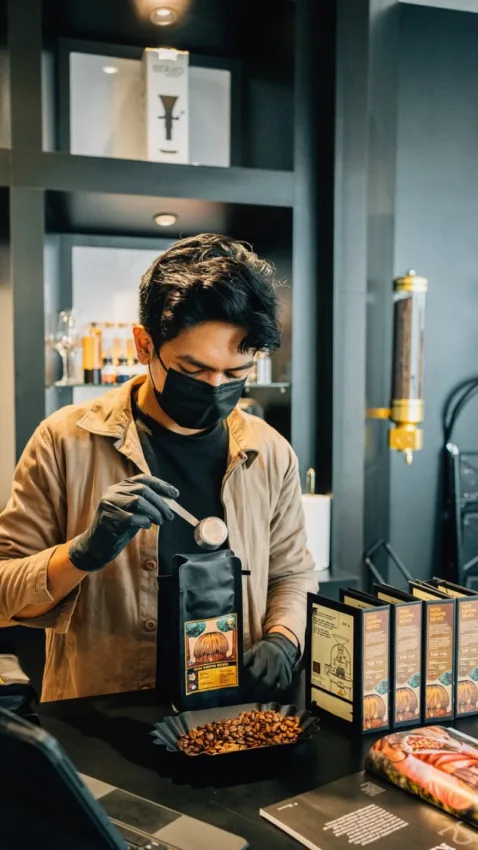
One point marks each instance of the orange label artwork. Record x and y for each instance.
(210, 650)
(467, 665)
(439, 661)
(408, 662)
(375, 669)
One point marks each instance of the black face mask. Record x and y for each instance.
(195, 404)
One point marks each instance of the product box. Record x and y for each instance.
(108, 110)
(438, 652)
(466, 642)
(405, 655)
(348, 660)
(166, 104)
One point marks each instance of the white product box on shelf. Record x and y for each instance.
(166, 104)
(106, 110)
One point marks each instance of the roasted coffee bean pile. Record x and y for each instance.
(252, 729)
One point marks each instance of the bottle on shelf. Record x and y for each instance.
(131, 353)
(123, 371)
(130, 348)
(120, 355)
(91, 344)
(108, 372)
(116, 346)
(252, 376)
(264, 368)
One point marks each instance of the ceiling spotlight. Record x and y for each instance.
(165, 219)
(110, 69)
(163, 16)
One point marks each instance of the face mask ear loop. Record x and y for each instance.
(151, 376)
(149, 368)
(160, 360)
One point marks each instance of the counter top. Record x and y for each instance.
(108, 738)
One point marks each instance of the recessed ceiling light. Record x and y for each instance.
(110, 69)
(165, 219)
(163, 16)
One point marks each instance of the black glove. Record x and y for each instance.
(124, 508)
(269, 666)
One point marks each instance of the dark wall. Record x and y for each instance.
(364, 225)
(436, 234)
(5, 137)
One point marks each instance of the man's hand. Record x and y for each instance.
(124, 508)
(269, 666)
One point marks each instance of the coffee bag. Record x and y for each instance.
(205, 602)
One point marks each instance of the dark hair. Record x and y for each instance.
(211, 278)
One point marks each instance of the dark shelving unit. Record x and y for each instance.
(277, 194)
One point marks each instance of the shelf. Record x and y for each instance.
(132, 215)
(68, 173)
(274, 386)
(83, 386)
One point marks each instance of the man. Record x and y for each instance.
(80, 545)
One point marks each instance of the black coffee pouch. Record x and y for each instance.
(205, 622)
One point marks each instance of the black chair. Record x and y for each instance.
(460, 494)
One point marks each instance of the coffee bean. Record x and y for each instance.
(252, 729)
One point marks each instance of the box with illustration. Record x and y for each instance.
(348, 663)
(438, 652)
(466, 643)
(405, 655)
(166, 101)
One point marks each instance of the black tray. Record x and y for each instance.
(170, 729)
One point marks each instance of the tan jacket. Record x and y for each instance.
(102, 637)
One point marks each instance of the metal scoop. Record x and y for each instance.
(209, 533)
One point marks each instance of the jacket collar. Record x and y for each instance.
(111, 415)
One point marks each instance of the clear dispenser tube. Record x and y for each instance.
(408, 357)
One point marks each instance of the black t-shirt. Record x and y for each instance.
(196, 465)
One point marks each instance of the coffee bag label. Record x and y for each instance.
(210, 651)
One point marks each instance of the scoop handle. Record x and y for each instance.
(180, 511)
